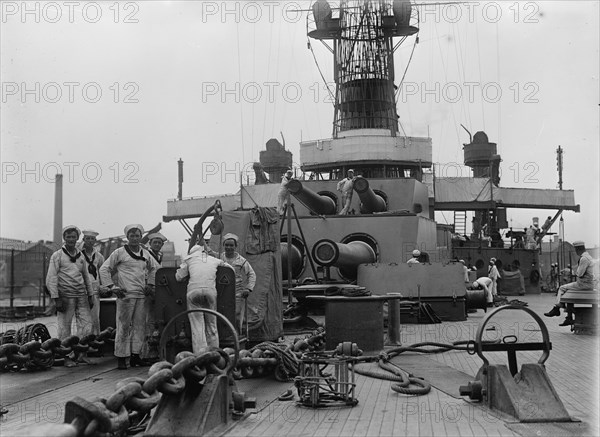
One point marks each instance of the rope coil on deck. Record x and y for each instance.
(403, 379)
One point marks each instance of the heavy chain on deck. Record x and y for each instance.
(32, 348)
(135, 397)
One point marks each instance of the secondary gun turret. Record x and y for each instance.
(317, 203)
(371, 202)
(345, 256)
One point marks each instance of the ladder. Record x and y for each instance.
(460, 222)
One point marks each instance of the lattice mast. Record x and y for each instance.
(363, 52)
(364, 70)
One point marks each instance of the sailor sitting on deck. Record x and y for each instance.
(415, 257)
(586, 280)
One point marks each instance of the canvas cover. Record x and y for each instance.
(512, 283)
(265, 303)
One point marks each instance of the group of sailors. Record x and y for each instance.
(78, 276)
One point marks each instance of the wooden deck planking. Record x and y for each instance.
(572, 367)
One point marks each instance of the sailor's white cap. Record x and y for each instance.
(71, 228)
(157, 235)
(230, 236)
(128, 228)
(416, 252)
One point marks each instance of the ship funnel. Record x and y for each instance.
(371, 202)
(58, 208)
(317, 203)
(180, 179)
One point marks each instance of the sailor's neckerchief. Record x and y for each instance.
(90, 262)
(157, 256)
(139, 257)
(72, 258)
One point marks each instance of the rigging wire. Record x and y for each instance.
(406, 69)
(446, 78)
(498, 73)
(276, 76)
(461, 71)
(268, 80)
(237, 27)
(480, 74)
(253, 77)
(321, 73)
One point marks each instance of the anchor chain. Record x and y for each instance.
(283, 360)
(135, 397)
(25, 350)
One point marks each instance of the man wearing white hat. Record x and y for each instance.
(70, 287)
(494, 275)
(136, 270)
(201, 294)
(415, 257)
(586, 280)
(245, 277)
(93, 261)
(156, 241)
(465, 270)
(346, 187)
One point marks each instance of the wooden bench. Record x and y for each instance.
(585, 310)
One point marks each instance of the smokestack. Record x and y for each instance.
(58, 196)
(180, 179)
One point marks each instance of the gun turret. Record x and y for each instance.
(317, 203)
(371, 202)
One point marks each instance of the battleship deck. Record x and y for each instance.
(33, 399)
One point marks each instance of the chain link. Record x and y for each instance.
(34, 354)
(135, 397)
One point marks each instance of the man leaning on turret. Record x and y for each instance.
(346, 186)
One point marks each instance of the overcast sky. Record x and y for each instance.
(113, 94)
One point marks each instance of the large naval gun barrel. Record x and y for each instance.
(371, 202)
(343, 255)
(317, 203)
(296, 260)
